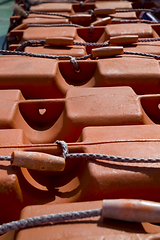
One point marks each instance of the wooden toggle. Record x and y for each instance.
(59, 41)
(124, 39)
(102, 22)
(107, 51)
(38, 161)
(104, 11)
(131, 210)
(78, 17)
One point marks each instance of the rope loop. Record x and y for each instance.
(75, 64)
(81, 4)
(90, 11)
(95, 156)
(64, 147)
(91, 30)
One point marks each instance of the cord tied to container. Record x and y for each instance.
(95, 156)
(130, 210)
(46, 162)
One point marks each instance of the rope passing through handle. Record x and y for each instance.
(130, 210)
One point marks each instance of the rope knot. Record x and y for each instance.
(64, 147)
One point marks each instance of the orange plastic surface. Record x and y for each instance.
(52, 7)
(48, 78)
(93, 228)
(32, 33)
(75, 51)
(113, 4)
(117, 5)
(35, 77)
(41, 19)
(110, 105)
(140, 29)
(105, 106)
(45, 19)
(86, 180)
(120, 180)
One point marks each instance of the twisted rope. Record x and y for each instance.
(7, 52)
(64, 147)
(143, 54)
(75, 64)
(6, 158)
(134, 21)
(84, 57)
(94, 156)
(48, 219)
(91, 29)
(30, 43)
(134, 10)
(48, 13)
(72, 59)
(90, 44)
(42, 42)
(53, 25)
(148, 39)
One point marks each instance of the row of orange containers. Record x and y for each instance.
(109, 105)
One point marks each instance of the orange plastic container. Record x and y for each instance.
(117, 71)
(141, 29)
(117, 5)
(10, 190)
(48, 78)
(52, 7)
(68, 7)
(120, 180)
(41, 19)
(82, 179)
(105, 106)
(38, 33)
(108, 5)
(113, 4)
